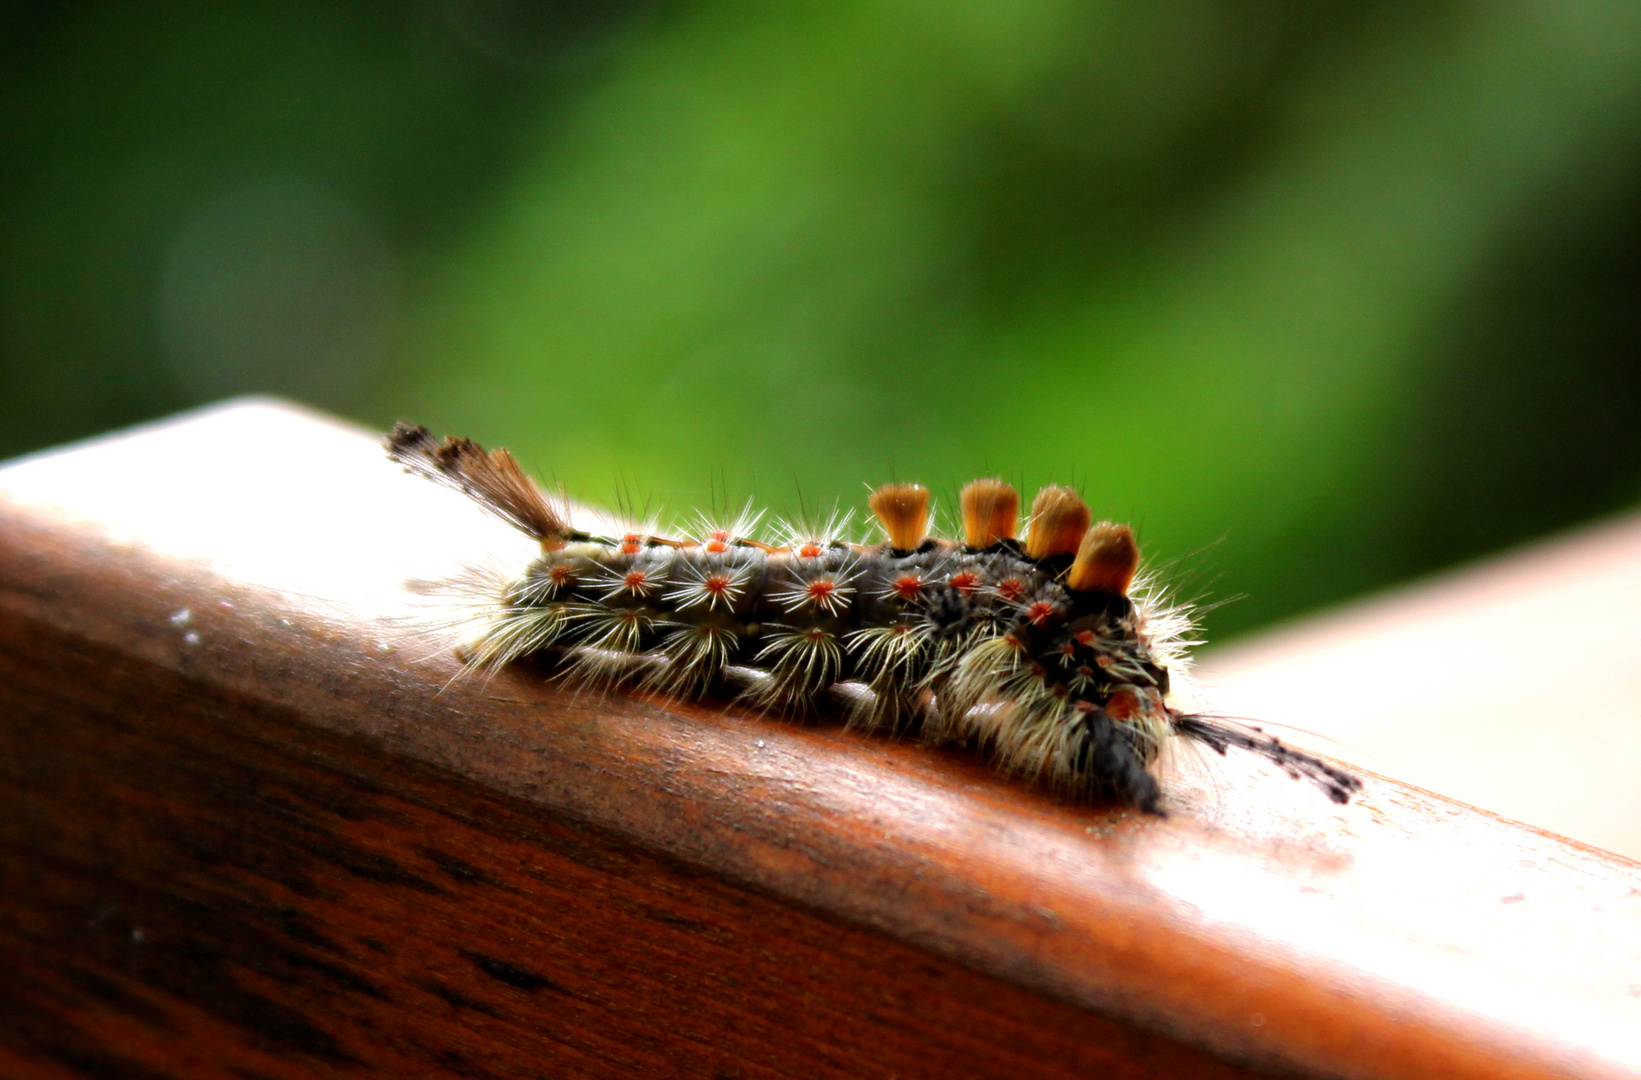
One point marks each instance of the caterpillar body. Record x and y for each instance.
(1039, 652)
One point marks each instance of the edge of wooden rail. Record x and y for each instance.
(262, 549)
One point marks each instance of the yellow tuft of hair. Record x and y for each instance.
(904, 511)
(1106, 560)
(991, 511)
(1058, 520)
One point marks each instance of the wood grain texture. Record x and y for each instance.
(202, 884)
(250, 830)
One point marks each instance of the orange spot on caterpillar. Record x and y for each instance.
(1123, 705)
(718, 584)
(1011, 588)
(717, 547)
(720, 534)
(631, 547)
(811, 551)
(907, 587)
(1086, 638)
(561, 574)
(1041, 612)
(821, 589)
(1105, 660)
(635, 580)
(965, 582)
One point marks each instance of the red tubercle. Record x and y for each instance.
(907, 587)
(811, 551)
(635, 581)
(717, 584)
(1011, 589)
(1041, 612)
(965, 582)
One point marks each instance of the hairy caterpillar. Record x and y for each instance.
(1040, 652)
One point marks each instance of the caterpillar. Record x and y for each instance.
(1046, 653)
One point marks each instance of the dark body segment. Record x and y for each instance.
(938, 641)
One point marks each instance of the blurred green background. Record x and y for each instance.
(1321, 296)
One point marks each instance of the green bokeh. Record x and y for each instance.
(1320, 299)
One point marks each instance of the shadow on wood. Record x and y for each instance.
(253, 827)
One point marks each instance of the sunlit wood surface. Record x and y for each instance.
(1514, 685)
(252, 827)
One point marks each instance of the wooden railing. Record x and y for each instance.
(252, 826)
